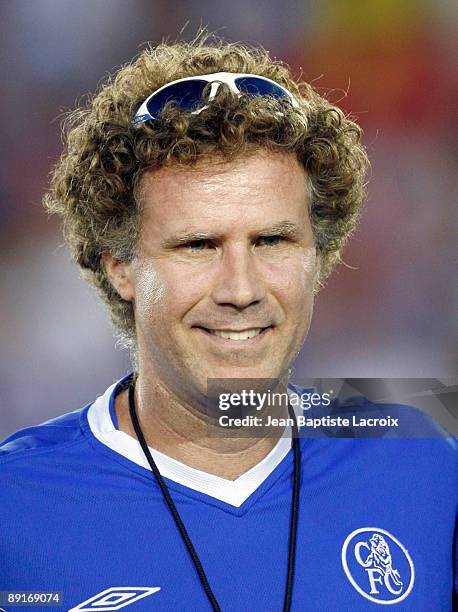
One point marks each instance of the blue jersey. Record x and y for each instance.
(81, 514)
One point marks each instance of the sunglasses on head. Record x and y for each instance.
(188, 93)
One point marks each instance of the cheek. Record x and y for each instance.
(150, 290)
(162, 293)
(308, 271)
(293, 280)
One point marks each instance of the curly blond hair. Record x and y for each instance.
(94, 185)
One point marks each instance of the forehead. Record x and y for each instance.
(261, 187)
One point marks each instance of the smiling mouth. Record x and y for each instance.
(245, 334)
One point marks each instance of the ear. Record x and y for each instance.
(120, 275)
(318, 262)
(316, 285)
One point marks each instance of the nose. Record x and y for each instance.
(238, 282)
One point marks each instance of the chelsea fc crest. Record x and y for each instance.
(377, 565)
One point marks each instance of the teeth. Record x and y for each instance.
(232, 335)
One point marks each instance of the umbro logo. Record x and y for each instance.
(114, 598)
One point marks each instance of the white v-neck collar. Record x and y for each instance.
(233, 492)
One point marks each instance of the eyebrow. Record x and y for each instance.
(284, 228)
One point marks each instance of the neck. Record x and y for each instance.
(182, 432)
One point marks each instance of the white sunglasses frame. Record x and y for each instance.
(216, 78)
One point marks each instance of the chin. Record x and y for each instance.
(249, 371)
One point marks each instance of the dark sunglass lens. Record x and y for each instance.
(259, 87)
(187, 95)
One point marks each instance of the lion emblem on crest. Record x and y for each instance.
(380, 557)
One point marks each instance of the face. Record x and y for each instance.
(223, 281)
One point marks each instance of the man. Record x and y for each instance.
(208, 196)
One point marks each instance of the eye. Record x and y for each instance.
(196, 245)
(271, 241)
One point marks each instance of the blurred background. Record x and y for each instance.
(392, 64)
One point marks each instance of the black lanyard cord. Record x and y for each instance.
(294, 512)
(182, 528)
